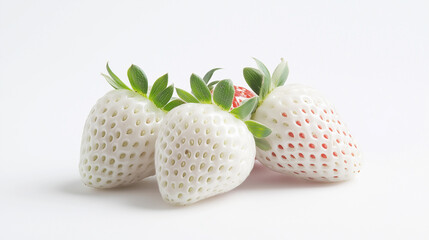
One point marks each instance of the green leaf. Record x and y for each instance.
(209, 75)
(257, 129)
(223, 94)
(113, 80)
(253, 78)
(212, 84)
(185, 96)
(265, 88)
(262, 144)
(200, 89)
(263, 69)
(172, 104)
(138, 79)
(163, 97)
(245, 109)
(280, 74)
(158, 86)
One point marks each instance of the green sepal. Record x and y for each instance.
(253, 78)
(158, 86)
(164, 96)
(185, 96)
(280, 74)
(223, 94)
(209, 75)
(138, 79)
(257, 129)
(265, 88)
(262, 144)
(245, 109)
(200, 89)
(172, 104)
(263, 69)
(212, 85)
(113, 80)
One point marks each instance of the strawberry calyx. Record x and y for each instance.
(262, 82)
(160, 93)
(223, 95)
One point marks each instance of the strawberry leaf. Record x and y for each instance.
(113, 80)
(262, 144)
(163, 97)
(223, 94)
(253, 78)
(185, 96)
(172, 104)
(200, 89)
(158, 86)
(138, 79)
(245, 109)
(212, 85)
(265, 88)
(257, 129)
(263, 69)
(280, 74)
(209, 75)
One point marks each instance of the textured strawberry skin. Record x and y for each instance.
(309, 140)
(201, 151)
(241, 94)
(118, 140)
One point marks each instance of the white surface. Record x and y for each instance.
(51, 56)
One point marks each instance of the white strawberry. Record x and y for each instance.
(202, 149)
(309, 140)
(118, 141)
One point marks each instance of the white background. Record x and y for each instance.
(369, 57)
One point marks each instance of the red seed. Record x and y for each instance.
(290, 166)
(291, 145)
(335, 154)
(311, 145)
(325, 165)
(324, 146)
(312, 111)
(301, 135)
(312, 156)
(300, 164)
(325, 111)
(301, 155)
(323, 155)
(274, 154)
(292, 156)
(284, 157)
(284, 114)
(303, 110)
(300, 144)
(307, 121)
(320, 127)
(325, 136)
(335, 170)
(278, 164)
(298, 123)
(280, 146)
(291, 134)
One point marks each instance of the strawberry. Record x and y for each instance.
(241, 94)
(309, 139)
(203, 149)
(119, 136)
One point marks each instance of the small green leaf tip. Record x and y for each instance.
(257, 129)
(209, 75)
(253, 78)
(200, 89)
(223, 94)
(262, 144)
(138, 79)
(280, 74)
(113, 80)
(158, 86)
(212, 85)
(172, 104)
(245, 109)
(263, 69)
(185, 96)
(164, 96)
